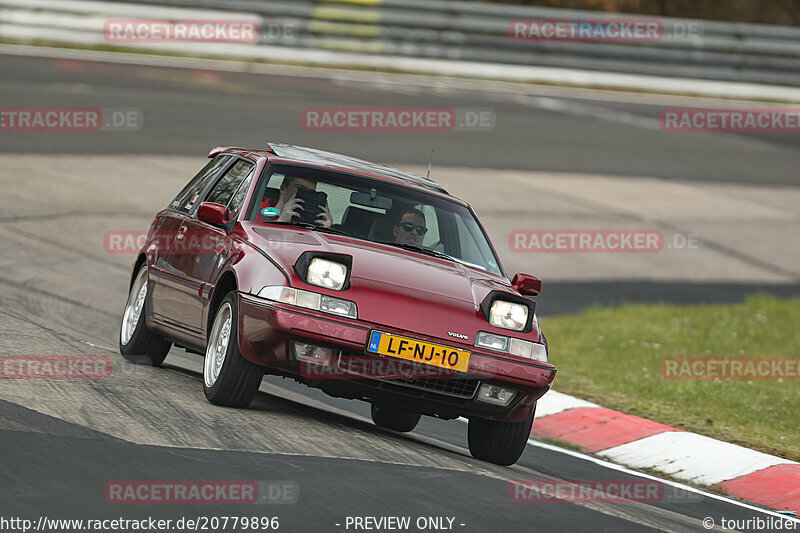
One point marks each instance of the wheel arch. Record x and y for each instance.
(136, 266)
(227, 283)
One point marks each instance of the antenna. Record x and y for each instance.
(430, 162)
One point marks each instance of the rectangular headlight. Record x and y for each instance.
(310, 300)
(327, 274)
(337, 306)
(509, 345)
(491, 341)
(508, 315)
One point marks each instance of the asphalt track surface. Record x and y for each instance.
(187, 110)
(62, 441)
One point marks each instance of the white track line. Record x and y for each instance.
(626, 470)
(619, 468)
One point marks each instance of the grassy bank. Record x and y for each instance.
(614, 357)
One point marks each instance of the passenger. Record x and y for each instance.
(288, 206)
(411, 228)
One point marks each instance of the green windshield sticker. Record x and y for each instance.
(269, 212)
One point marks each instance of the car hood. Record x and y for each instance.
(392, 286)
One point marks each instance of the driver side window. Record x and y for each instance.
(237, 200)
(432, 239)
(187, 198)
(225, 188)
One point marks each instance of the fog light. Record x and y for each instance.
(311, 353)
(495, 394)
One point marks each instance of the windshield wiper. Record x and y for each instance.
(434, 253)
(421, 250)
(308, 225)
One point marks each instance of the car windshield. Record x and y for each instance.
(372, 210)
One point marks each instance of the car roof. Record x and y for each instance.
(304, 155)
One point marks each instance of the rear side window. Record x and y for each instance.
(223, 191)
(188, 197)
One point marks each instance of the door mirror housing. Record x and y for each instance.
(211, 213)
(527, 285)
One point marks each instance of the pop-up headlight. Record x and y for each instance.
(508, 315)
(326, 274)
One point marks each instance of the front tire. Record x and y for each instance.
(228, 378)
(138, 344)
(394, 418)
(498, 442)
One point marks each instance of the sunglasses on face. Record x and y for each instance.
(409, 227)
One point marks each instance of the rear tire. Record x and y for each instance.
(228, 378)
(394, 418)
(138, 344)
(498, 442)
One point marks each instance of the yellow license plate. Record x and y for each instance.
(426, 353)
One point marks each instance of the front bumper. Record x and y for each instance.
(266, 330)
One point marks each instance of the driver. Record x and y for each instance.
(288, 206)
(410, 229)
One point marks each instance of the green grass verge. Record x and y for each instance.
(560, 443)
(613, 357)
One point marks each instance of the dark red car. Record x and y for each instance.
(362, 280)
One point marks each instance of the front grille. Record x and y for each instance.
(455, 387)
(459, 387)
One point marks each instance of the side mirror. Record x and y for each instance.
(212, 213)
(526, 285)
